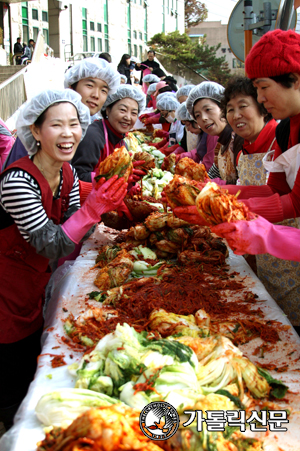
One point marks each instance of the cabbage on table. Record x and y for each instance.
(154, 182)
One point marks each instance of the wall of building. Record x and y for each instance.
(28, 28)
(130, 24)
(216, 33)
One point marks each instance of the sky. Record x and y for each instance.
(219, 9)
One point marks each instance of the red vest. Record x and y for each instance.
(24, 273)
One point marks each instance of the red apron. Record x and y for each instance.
(24, 273)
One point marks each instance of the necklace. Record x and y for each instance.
(40, 167)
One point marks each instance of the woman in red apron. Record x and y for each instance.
(120, 113)
(40, 220)
(93, 79)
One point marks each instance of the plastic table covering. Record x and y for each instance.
(69, 285)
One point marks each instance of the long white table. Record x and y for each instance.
(71, 282)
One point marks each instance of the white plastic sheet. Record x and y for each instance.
(68, 295)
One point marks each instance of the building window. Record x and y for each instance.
(35, 32)
(163, 16)
(145, 24)
(92, 44)
(129, 28)
(44, 16)
(46, 35)
(25, 27)
(106, 39)
(35, 14)
(84, 30)
(229, 50)
(140, 35)
(99, 44)
(141, 52)
(223, 50)
(99, 27)
(92, 26)
(135, 34)
(135, 50)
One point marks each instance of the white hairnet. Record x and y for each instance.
(182, 113)
(206, 90)
(152, 89)
(168, 93)
(151, 78)
(184, 91)
(167, 103)
(38, 104)
(124, 91)
(93, 68)
(123, 77)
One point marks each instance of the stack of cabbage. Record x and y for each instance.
(154, 182)
(136, 369)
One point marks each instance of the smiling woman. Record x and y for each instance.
(40, 219)
(203, 104)
(120, 113)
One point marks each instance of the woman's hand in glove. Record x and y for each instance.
(137, 174)
(135, 189)
(250, 237)
(190, 214)
(123, 209)
(106, 196)
(161, 134)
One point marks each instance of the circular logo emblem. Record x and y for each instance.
(159, 420)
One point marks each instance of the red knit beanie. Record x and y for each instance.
(276, 53)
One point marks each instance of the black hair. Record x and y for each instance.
(151, 51)
(31, 40)
(201, 98)
(19, 38)
(105, 56)
(242, 85)
(74, 86)
(123, 59)
(41, 119)
(165, 89)
(286, 80)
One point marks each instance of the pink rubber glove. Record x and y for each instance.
(190, 214)
(151, 120)
(109, 196)
(171, 149)
(162, 143)
(124, 210)
(137, 174)
(161, 134)
(259, 236)
(135, 189)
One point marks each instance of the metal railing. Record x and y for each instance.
(12, 94)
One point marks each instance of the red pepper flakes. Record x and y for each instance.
(57, 361)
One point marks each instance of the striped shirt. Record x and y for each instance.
(21, 197)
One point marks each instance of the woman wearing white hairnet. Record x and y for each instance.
(204, 149)
(120, 113)
(203, 104)
(40, 219)
(93, 79)
(167, 104)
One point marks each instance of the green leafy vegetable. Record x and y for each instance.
(279, 389)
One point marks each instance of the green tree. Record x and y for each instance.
(199, 57)
(194, 13)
